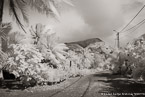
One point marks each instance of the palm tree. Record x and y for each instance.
(4, 30)
(87, 58)
(36, 32)
(17, 7)
(44, 38)
(54, 51)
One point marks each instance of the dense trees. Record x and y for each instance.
(45, 59)
(18, 8)
(131, 62)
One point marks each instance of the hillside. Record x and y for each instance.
(94, 45)
(84, 43)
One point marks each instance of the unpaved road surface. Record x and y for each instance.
(102, 84)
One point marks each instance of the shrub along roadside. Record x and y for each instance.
(131, 62)
(39, 59)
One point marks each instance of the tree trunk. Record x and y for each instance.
(1, 16)
(1, 11)
(4, 45)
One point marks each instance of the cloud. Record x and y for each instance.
(72, 27)
(130, 9)
(102, 15)
(94, 18)
(98, 18)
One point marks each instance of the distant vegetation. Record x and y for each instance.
(131, 62)
(39, 56)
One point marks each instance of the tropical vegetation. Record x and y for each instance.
(131, 62)
(37, 57)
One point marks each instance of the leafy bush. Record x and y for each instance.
(25, 60)
(133, 62)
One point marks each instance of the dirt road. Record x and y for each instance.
(102, 84)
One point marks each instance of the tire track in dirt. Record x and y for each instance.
(45, 94)
(87, 89)
(65, 88)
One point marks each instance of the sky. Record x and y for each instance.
(92, 19)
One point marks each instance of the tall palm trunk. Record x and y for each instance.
(1, 17)
(1, 11)
(4, 45)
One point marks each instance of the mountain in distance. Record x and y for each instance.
(84, 43)
(93, 44)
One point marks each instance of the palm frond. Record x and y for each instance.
(39, 5)
(36, 32)
(68, 2)
(39, 29)
(16, 38)
(3, 56)
(22, 6)
(13, 11)
(53, 8)
(47, 7)
(6, 28)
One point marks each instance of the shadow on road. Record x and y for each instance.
(117, 84)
